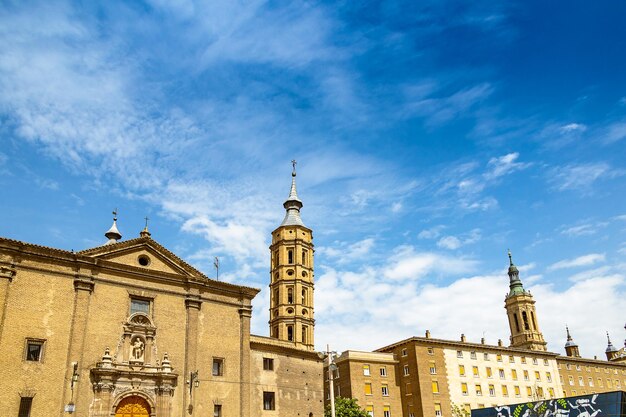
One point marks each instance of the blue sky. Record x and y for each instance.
(430, 137)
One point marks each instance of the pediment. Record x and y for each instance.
(144, 253)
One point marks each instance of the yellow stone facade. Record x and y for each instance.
(130, 329)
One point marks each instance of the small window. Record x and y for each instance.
(431, 351)
(438, 410)
(518, 393)
(366, 370)
(501, 372)
(34, 350)
(475, 371)
(218, 366)
(505, 391)
(489, 374)
(403, 352)
(548, 377)
(535, 362)
(472, 355)
(290, 333)
(369, 409)
(499, 357)
(406, 370)
(435, 387)
(368, 388)
(545, 362)
(268, 364)
(139, 305)
(511, 359)
(289, 295)
(217, 410)
(514, 374)
(461, 370)
(492, 390)
(25, 406)
(459, 353)
(537, 376)
(385, 390)
(479, 389)
(268, 401)
(383, 371)
(433, 368)
(464, 388)
(289, 258)
(143, 260)
(486, 356)
(523, 359)
(386, 411)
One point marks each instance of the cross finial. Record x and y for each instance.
(510, 258)
(294, 163)
(146, 218)
(115, 214)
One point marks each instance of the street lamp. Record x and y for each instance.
(332, 367)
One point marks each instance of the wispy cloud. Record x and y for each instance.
(582, 177)
(408, 264)
(454, 242)
(584, 229)
(504, 165)
(584, 260)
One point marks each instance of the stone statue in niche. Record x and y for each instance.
(137, 350)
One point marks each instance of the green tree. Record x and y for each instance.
(458, 411)
(346, 407)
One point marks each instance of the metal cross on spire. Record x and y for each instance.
(294, 163)
(146, 219)
(115, 214)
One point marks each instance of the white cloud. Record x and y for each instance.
(504, 165)
(449, 242)
(407, 264)
(343, 252)
(585, 229)
(584, 260)
(454, 242)
(573, 127)
(615, 132)
(432, 233)
(581, 177)
(391, 311)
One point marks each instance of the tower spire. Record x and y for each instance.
(515, 284)
(571, 348)
(113, 234)
(293, 204)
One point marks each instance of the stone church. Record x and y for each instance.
(128, 329)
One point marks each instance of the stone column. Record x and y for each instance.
(245, 313)
(192, 305)
(83, 287)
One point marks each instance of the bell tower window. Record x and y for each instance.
(304, 296)
(516, 321)
(525, 319)
(290, 295)
(305, 255)
(290, 256)
(304, 331)
(290, 333)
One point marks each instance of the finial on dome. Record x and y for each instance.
(510, 258)
(113, 234)
(515, 284)
(294, 163)
(610, 347)
(145, 232)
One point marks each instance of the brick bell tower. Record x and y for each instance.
(520, 308)
(291, 276)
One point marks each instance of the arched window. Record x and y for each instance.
(305, 255)
(525, 319)
(516, 322)
(532, 316)
(289, 295)
(290, 256)
(304, 296)
(304, 331)
(290, 333)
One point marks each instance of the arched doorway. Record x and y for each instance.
(133, 406)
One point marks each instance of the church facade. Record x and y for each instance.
(130, 329)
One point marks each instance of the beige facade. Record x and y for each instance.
(128, 328)
(369, 377)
